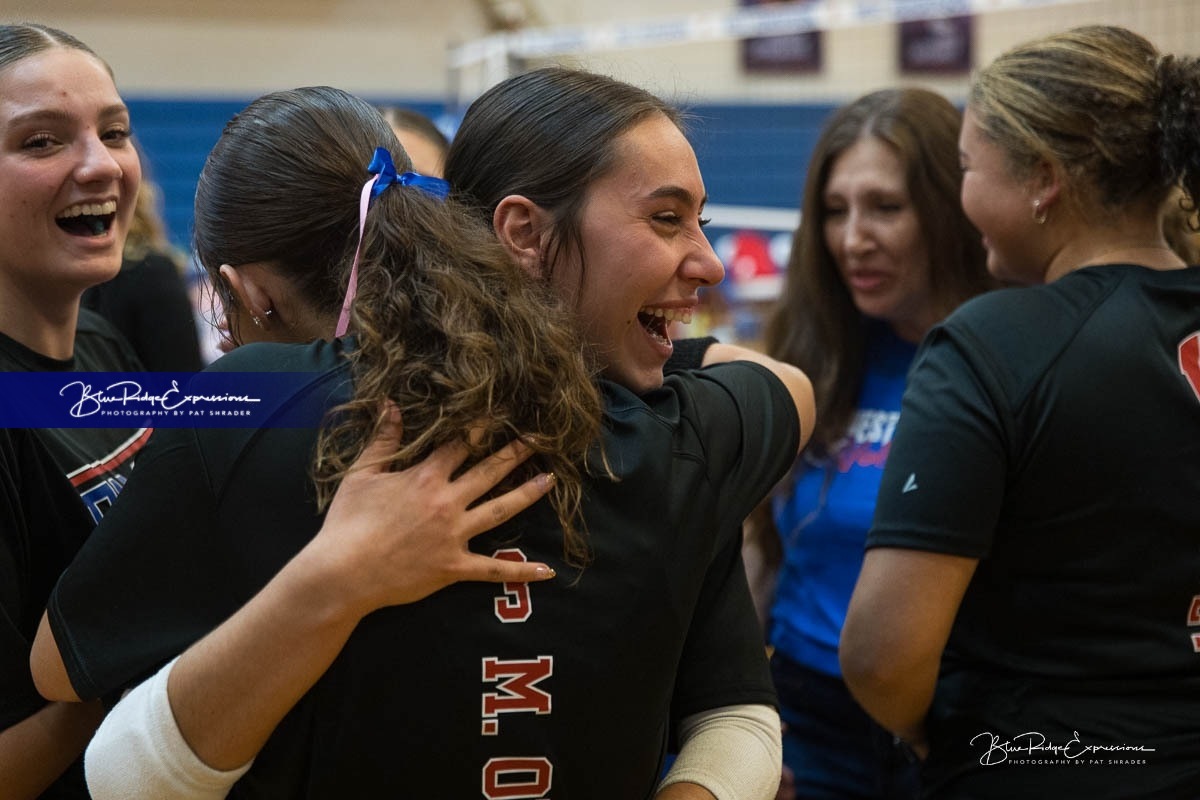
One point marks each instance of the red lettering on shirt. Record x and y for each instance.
(1189, 361)
(516, 605)
(527, 777)
(1193, 620)
(517, 690)
(517, 778)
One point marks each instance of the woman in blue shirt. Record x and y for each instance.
(882, 253)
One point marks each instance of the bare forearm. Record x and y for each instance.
(231, 689)
(896, 629)
(684, 791)
(898, 705)
(37, 750)
(892, 685)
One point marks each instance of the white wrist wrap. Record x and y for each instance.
(139, 752)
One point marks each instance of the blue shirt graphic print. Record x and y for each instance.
(825, 512)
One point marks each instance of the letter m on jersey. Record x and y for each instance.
(1189, 361)
(517, 689)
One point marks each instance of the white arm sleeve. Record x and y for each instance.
(139, 752)
(736, 752)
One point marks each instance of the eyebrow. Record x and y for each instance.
(57, 115)
(677, 192)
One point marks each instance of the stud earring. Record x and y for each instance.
(1039, 213)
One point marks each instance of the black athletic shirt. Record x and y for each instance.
(54, 486)
(1054, 434)
(566, 688)
(148, 303)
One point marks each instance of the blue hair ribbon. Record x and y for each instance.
(382, 166)
(384, 170)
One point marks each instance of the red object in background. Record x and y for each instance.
(751, 257)
(752, 272)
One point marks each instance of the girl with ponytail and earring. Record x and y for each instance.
(444, 328)
(1029, 592)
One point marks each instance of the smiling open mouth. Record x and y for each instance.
(657, 321)
(88, 219)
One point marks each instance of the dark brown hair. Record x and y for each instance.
(816, 325)
(547, 135)
(23, 39)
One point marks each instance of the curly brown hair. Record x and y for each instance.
(459, 339)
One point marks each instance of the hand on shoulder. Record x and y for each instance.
(397, 537)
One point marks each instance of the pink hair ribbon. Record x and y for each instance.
(383, 175)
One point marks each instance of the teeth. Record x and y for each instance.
(682, 315)
(90, 209)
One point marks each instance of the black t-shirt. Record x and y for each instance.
(569, 684)
(1054, 433)
(54, 486)
(148, 303)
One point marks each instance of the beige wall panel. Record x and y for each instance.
(182, 47)
(399, 47)
(863, 58)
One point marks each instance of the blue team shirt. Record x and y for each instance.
(824, 514)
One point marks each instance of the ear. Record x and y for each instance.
(520, 225)
(248, 287)
(1046, 184)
